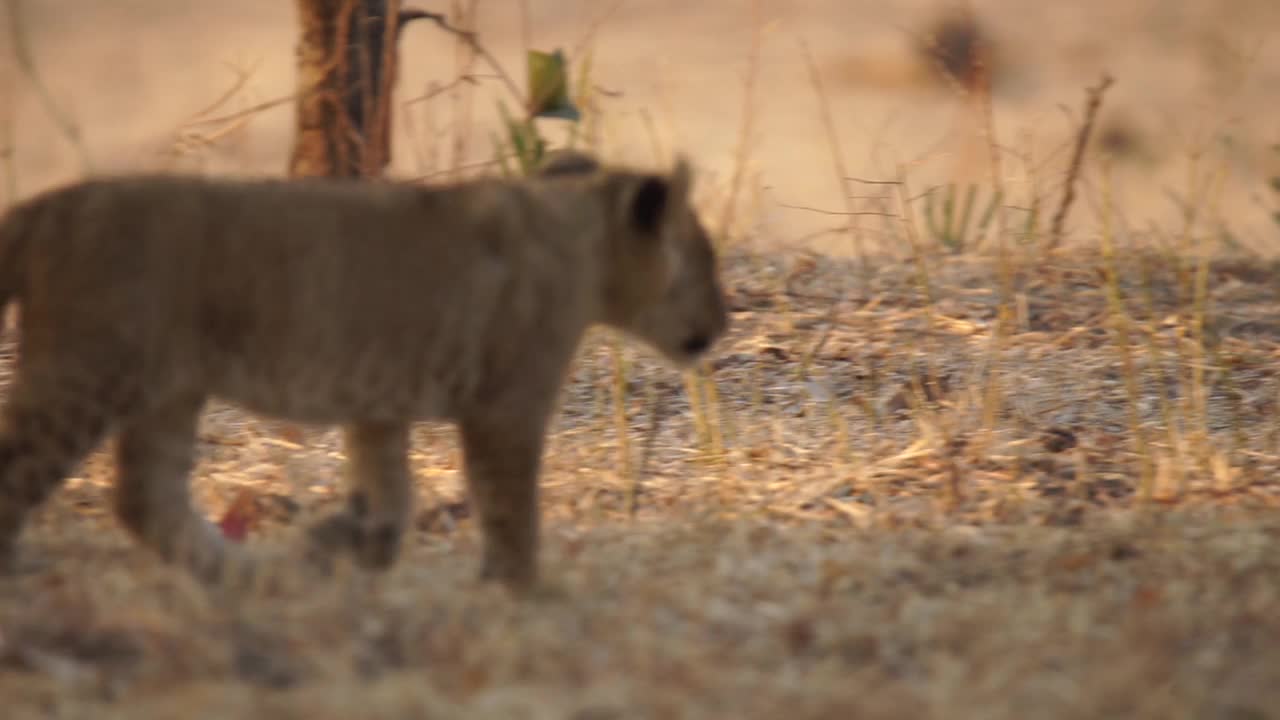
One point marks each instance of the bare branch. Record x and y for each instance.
(441, 89)
(251, 110)
(820, 211)
(470, 38)
(22, 52)
(242, 79)
(872, 182)
(1093, 99)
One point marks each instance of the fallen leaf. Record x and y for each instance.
(1146, 597)
(240, 516)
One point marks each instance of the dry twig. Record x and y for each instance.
(470, 37)
(1092, 102)
(26, 62)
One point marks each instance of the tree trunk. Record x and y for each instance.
(346, 69)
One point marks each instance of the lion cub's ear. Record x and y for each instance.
(681, 179)
(654, 196)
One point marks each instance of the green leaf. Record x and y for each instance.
(500, 155)
(523, 138)
(549, 86)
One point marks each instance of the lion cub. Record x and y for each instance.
(365, 304)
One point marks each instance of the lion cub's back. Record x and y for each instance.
(302, 298)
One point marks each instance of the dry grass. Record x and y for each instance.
(980, 478)
(850, 554)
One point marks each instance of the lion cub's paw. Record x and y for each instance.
(373, 546)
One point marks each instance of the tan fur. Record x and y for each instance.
(365, 304)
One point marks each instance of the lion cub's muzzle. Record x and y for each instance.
(696, 345)
(699, 341)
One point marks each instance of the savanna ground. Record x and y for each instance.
(975, 477)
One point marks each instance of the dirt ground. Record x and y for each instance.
(951, 488)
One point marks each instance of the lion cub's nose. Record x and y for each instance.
(696, 344)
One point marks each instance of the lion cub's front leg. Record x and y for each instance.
(502, 456)
(372, 525)
(155, 452)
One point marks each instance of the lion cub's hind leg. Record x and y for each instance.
(51, 420)
(372, 524)
(155, 453)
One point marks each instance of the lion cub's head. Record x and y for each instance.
(662, 282)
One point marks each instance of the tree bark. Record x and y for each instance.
(346, 59)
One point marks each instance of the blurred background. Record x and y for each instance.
(1192, 117)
